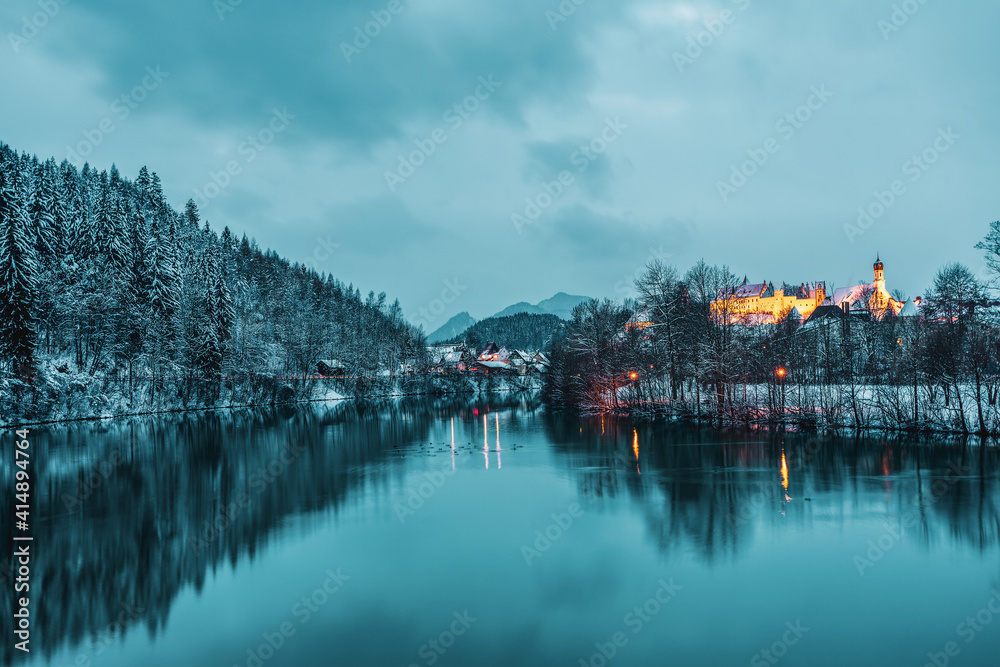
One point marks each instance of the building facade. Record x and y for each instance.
(761, 303)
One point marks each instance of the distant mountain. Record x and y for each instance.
(452, 328)
(561, 305)
(529, 331)
(522, 307)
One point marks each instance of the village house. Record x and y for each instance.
(457, 358)
(331, 367)
(450, 358)
(493, 353)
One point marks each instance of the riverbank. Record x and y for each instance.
(57, 395)
(962, 410)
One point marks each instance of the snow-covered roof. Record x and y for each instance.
(850, 294)
(494, 364)
(909, 309)
(749, 290)
(443, 349)
(825, 312)
(795, 314)
(641, 315)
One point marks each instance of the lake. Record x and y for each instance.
(490, 533)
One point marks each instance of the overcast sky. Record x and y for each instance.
(832, 99)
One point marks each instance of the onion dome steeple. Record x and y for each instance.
(879, 270)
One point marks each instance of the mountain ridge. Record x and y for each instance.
(455, 326)
(560, 304)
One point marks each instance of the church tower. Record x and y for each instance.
(881, 297)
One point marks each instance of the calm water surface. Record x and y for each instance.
(492, 534)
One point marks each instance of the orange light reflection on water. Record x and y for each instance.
(635, 449)
(784, 474)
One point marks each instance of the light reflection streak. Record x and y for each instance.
(486, 443)
(784, 474)
(499, 464)
(635, 449)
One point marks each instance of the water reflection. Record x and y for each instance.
(132, 512)
(712, 491)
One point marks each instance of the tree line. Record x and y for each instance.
(109, 293)
(526, 331)
(938, 371)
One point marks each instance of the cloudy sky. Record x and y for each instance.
(506, 151)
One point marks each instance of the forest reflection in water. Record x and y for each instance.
(131, 512)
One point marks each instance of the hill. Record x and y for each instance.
(561, 305)
(521, 307)
(452, 328)
(520, 331)
(116, 299)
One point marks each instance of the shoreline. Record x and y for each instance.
(744, 426)
(304, 401)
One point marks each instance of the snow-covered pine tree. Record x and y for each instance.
(18, 279)
(164, 277)
(221, 299)
(42, 214)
